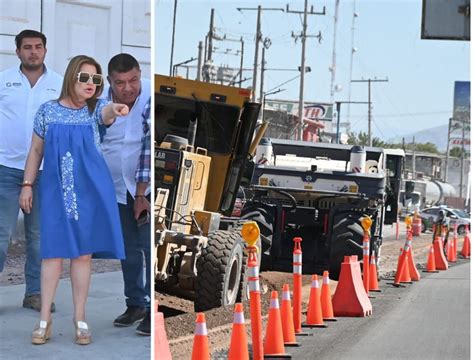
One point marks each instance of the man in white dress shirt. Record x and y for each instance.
(22, 90)
(122, 145)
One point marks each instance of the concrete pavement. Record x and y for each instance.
(105, 303)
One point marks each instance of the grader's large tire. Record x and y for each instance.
(347, 228)
(219, 271)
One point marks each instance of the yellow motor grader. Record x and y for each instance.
(203, 138)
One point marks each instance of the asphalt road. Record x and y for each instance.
(429, 319)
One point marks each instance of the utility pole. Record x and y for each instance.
(333, 65)
(241, 59)
(258, 38)
(369, 81)
(447, 153)
(210, 36)
(353, 51)
(199, 65)
(172, 36)
(303, 36)
(461, 183)
(413, 160)
(262, 77)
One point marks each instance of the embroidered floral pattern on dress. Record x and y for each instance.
(67, 180)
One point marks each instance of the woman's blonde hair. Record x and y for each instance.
(70, 80)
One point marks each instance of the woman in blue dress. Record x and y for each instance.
(79, 214)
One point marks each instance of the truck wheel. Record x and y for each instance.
(219, 271)
(346, 240)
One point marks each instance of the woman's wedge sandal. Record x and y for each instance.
(41, 333)
(83, 334)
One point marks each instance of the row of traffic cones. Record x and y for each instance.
(437, 260)
(280, 327)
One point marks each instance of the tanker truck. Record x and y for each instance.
(419, 194)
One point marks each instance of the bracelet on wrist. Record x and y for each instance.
(26, 183)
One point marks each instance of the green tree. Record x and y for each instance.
(427, 147)
(362, 139)
(455, 152)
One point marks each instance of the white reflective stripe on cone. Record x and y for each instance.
(253, 271)
(254, 285)
(239, 318)
(201, 329)
(274, 304)
(286, 296)
(365, 252)
(298, 258)
(326, 280)
(315, 283)
(297, 269)
(372, 260)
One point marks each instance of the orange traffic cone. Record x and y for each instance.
(287, 324)
(440, 260)
(297, 284)
(238, 343)
(314, 317)
(455, 243)
(413, 271)
(326, 301)
(274, 345)
(430, 264)
(255, 304)
(201, 343)
(373, 283)
(451, 251)
(350, 298)
(406, 279)
(466, 246)
(161, 342)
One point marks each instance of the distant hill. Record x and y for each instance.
(436, 135)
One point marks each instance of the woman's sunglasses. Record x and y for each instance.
(85, 77)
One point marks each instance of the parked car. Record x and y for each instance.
(455, 216)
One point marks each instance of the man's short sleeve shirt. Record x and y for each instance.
(19, 103)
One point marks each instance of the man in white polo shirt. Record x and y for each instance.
(22, 90)
(122, 146)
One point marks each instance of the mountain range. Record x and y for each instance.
(435, 135)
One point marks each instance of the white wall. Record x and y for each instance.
(98, 28)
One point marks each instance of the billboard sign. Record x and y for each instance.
(312, 110)
(461, 116)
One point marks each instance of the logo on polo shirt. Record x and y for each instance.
(15, 84)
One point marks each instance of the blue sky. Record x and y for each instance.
(421, 73)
